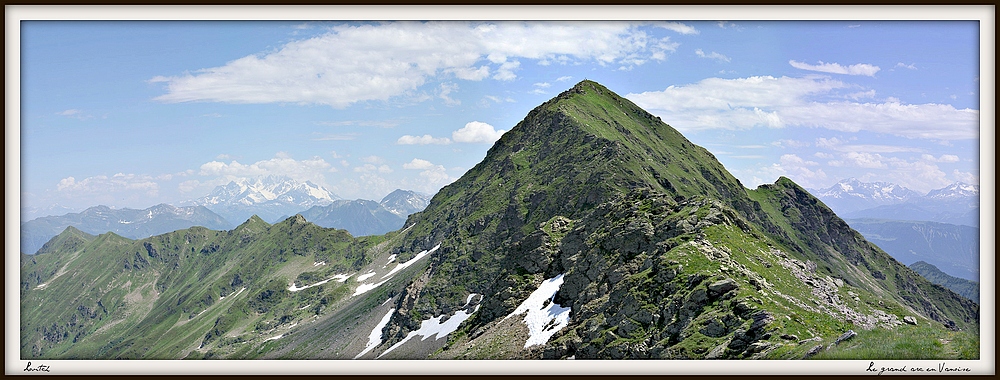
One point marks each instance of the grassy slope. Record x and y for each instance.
(165, 296)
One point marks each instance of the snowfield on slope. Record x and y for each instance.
(434, 326)
(375, 337)
(338, 278)
(364, 287)
(544, 317)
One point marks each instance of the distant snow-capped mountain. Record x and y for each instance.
(851, 195)
(957, 203)
(269, 197)
(957, 190)
(405, 202)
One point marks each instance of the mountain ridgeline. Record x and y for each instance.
(591, 229)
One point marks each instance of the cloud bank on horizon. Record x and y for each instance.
(365, 108)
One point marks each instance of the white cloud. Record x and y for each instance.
(823, 155)
(860, 160)
(361, 123)
(712, 55)
(378, 61)
(418, 164)
(311, 169)
(75, 114)
(677, 27)
(766, 101)
(790, 143)
(468, 73)
(905, 66)
(121, 189)
(789, 165)
(495, 99)
(836, 68)
(370, 168)
(946, 158)
(188, 186)
(563, 78)
(477, 132)
(422, 140)
(543, 85)
(966, 177)
(373, 159)
(446, 89)
(432, 177)
(116, 183)
(862, 95)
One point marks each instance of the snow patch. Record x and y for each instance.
(318, 263)
(295, 289)
(366, 276)
(363, 288)
(342, 277)
(543, 316)
(434, 326)
(375, 337)
(274, 338)
(391, 259)
(419, 256)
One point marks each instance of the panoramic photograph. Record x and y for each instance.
(352, 191)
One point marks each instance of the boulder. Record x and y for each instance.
(722, 287)
(910, 320)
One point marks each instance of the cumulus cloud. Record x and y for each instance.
(712, 55)
(311, 169)
(966, 177)
(905, 66)
(378, 61)
(422, 140)
(418, 164)
(128, 189)
(116, 183)
(789, 165)
(432, 177)
(836, 68)
(776, 102)
(860, 160)
(370, 168)
(477, 132)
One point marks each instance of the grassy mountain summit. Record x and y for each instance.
(590, 230)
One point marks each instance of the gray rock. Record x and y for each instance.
(910, 320)
(716, 352)
(714, 329)
(845, 336)
(813, 339)
(789, 337)
(758, 347)
(813, 351)
(722, 286)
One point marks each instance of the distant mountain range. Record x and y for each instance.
(363, 217)
(271, 198)
(127, 222)
(957, 203)
(952, 248)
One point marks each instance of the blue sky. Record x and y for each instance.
(136, 113)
